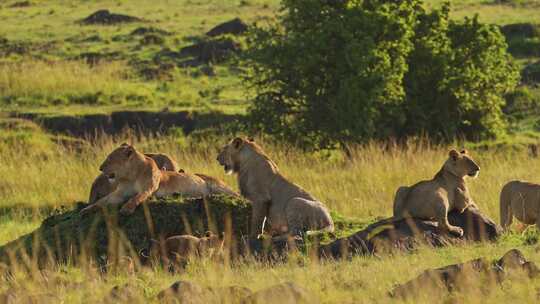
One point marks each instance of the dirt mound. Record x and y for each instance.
(104, 17)
(204, 52)
(531, 74)
(21, 4)
(107, 236)
(471, 275)
(389, 235)
(141, 31)
(528, 30)
(234, 27)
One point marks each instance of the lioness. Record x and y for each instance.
(102, 185)
(522, 200)
(433, 199)
(287, 207)
(137, 177)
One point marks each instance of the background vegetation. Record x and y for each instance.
(45, 70)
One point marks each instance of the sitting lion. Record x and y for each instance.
(102, 185)
(184, 247)
(433, 199)
(286, 206)
(137, 177)
(522, 200)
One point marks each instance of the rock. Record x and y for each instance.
(471, 275)
(211, 51)
(124, 293)
(185, 292)
(188, 292)
(141, 31)
(152, 39)
(234, 27)
(531, 74)
(285, 293)
(389, 235)
(457, 277)
(21, 4)
(232, 294)
(527, 30)
(66, 234)
(104, 17)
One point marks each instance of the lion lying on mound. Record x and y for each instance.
(184, 247)
(287, 207)
(447, 191)
(102, 185)
(522, 200)
(137, 177)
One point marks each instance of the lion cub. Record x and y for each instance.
(522, 200)
(433, 199)
(184, 247)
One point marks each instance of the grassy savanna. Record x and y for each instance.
(361, 187)
(42, 71)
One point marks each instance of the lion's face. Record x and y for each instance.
(228, 156)
(115, 162)
(211, 241)
(461, 164)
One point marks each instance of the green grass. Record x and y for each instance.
(37, 173)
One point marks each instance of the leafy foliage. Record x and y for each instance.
(333, 72)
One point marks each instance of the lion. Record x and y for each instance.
(184, 247)
(102, 185)
(522, 200)
(286, 206)
(433, 199)
(137, 177)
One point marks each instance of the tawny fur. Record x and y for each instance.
(287, 207)
(103, 186)
(136, 177)
(433, 199)
(522, 200)
(184, 247)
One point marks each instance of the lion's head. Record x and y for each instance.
(461, 164)
(235, 152)
(211, 241)
(115, 164)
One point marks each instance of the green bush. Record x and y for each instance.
(334, 72)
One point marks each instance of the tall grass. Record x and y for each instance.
(34, 78)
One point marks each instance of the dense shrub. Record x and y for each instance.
(332, 72)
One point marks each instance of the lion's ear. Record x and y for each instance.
(208, 234)
(237, 142)
(129, 150)
(124, 145)
(181, 171)
(453, 154)
(464, 151)
(251, 139)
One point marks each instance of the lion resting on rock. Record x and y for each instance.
(137, 177)
(102, 185)
(287, 207)
(433, 199)
(522, 200)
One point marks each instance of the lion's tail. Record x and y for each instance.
(505, 205)
(216, 186)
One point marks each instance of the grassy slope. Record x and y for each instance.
(35, 172)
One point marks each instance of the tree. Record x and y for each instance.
(333, 72)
